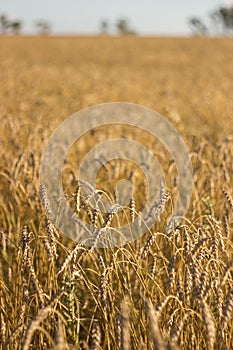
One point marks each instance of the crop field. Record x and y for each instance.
(169, 289)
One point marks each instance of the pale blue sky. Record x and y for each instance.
(159, 17)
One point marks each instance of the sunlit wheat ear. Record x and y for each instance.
(148, 245)
(196, 237)
(226, 175)
(50, 241)
(158, 341)
(3, 328)
(209, 325)
(228, 309)
(218, 242)
(110, 215)
(204, 284)
(158, 208)
(220, 299)
(226, 226)
(24, 305)
(3, 241)
(192, 337)
(103, 289)
(78, 250)
(132, 207)
(161, 306)
(51, 229)
(95, 342)
(195, 273)
(187, 245)
(25, 244)
(95, 217)
(125, 326)
(154, 266)
(45, 201)
(101, 261)
(77, 199)
(177, 330)
(118, 331)
(228, 197)
(179, 288)
(86, 207)
(171, 272)
(28, 262)
(170, 322)
(226, 272)
(198, 247)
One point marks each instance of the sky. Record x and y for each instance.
(147, 17)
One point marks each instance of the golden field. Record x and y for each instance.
(164, 291)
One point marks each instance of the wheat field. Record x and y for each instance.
(166, 290)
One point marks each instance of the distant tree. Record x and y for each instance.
(215, 18)
(15, 26)
(123, 27)
(104, 27)
(226, 14)
(43, 27)
(4, 23)
(224, 17)
(197, 26)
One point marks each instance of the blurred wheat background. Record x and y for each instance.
(165, 291)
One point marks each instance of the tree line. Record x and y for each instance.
(15, 26)
(7, 25)
(122, 26)
(221, 21)
(43, 27)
